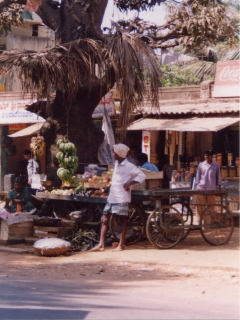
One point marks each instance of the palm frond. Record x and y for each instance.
(65, 68)
(133, 62)
(69, 67)
(202, 70)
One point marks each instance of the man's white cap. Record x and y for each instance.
(121, 149)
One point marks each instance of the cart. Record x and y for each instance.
(167, 225)
(92, 214)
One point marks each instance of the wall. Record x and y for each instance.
(25, 42)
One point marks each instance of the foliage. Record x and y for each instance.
(174, 76)
(192, 23)
(205, 70)
(11, 15)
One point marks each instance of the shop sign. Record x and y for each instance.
(14, 112)
(146, 142)
(16, 126)
(106, 102)
(227, 79)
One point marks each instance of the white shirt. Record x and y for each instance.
(33, 167)
(123, 172)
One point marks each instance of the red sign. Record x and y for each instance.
(227, 79)
(16, 127)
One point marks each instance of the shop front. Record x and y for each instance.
(17, 127)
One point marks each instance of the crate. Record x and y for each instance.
(153, 180)
(17, 231)
(52, 232)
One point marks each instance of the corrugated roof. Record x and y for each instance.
(189, 124)
(189, 107)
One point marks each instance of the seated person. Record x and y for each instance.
(132, 155)
(145, 164)
(19, 197)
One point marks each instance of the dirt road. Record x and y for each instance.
(191, 281)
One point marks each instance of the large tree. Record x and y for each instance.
(65, 75)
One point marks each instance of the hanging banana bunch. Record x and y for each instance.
(67, 159)
(37, 146)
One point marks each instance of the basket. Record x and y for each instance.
(52, 252)
(51, 247)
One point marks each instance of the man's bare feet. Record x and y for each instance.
(119, 248)
(97, 248)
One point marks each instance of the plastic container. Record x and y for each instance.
(232, 171)
(224, 172)
(219, 159)
(238, 171)
(191, 167)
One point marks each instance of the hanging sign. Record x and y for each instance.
(106, 101)
(146, 142)
(227, 79)
(14, 112)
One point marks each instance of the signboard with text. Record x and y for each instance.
(14, 112)
(146, 143)
(227, 79)
(106, 101)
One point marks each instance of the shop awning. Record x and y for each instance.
(189, 124)
(34, 128)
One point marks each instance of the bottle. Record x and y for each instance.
(230, 159)
(174, 176)
(219, 159)
(182, 175)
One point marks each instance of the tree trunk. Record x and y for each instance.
(76, 123)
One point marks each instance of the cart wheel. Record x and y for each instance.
(187, 216)
(135, 225)
(217, 225)
(167, 235)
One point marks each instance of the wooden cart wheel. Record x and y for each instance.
(135, 225)
(167, 235)
(187, 216)
(217, 225)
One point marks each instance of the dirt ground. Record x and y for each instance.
(193, 280)
(193, 256)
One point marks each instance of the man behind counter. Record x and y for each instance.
(145, 164)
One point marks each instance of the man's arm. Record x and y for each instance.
(198, 175)
(139, 177)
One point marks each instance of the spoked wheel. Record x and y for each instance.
(168, 234)
(217, 225)
(135, 225)
(187, 216)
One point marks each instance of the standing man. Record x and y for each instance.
(33, 166)
(208, 178)
(125, 174)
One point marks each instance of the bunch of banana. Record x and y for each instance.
(37, 146)
(67, 159)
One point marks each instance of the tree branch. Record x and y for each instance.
(49, 15)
